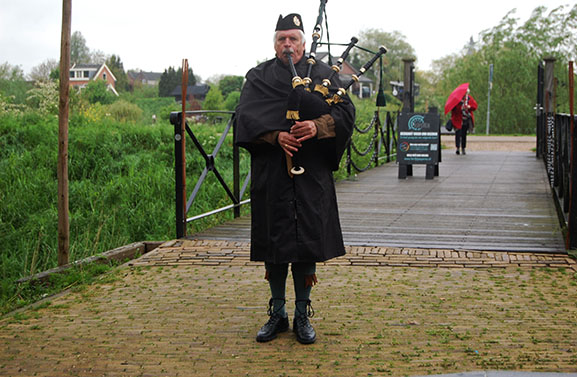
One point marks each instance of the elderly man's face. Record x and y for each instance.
(289, 40)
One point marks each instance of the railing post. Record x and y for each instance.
(349, 158)
(549, 94)
(235, 170)
(389, 136)
(571, 242)
(539, 111)
(376, 136)
(179, 180)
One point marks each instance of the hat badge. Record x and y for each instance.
(296, 21)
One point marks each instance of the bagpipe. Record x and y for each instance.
(304, 104)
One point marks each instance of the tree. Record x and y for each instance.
(79, 51)
(13, 86)
(232, 100)
(44, 97)
(97, 92)
(43, 71)
(398, 49)
(117, 68)
(230, 84)
(97, 57)
(172, 78)
(214, 100)
(515, 51)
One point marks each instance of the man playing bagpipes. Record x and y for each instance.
(294, 217)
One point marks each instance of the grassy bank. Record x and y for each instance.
(121, 189)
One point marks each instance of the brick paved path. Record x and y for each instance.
(215, 252)
(193, 308)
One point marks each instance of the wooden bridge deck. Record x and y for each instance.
(490, 201)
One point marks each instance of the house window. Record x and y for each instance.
(86, 74)
(104, 76)
(72, 74)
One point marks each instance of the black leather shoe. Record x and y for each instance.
(276, 324)
(303, 329)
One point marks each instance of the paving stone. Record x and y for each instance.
(375, 320)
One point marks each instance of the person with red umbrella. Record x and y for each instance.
(461, 105)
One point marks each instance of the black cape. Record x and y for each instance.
(293, 219)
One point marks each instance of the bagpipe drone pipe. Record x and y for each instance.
(304, 104)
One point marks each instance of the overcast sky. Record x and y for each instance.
(229, 37)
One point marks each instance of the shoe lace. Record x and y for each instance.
(270, 310)
(309, 311)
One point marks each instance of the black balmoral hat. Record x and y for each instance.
(291, 21)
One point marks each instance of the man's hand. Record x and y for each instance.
(288, 142)
(304, 130)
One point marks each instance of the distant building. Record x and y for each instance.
(144, 78)
(82, 74)
(193, 92)
(362, 89)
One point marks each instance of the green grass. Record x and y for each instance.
(121, 189)
(74, 278)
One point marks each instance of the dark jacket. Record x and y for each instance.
(293, 219)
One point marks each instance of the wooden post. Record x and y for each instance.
(183, 145)
(408, 83)
(63, 107)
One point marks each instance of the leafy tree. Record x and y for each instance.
(97, 57)
(10, 72)
(42, 71)
(171, 78)
(79, 51)
(214, 99)
(230, 84)
(44, 97)
(231, 100)
(397, 49)
(13, 86)
(97, 92)
(117, 68)
(55, 73)
(515, 51)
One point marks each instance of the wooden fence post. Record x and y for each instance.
(63, 109)
(408, 85)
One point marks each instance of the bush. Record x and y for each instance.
(232, 100)
(123, 111)
(97, 92)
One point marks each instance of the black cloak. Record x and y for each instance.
(293, 219)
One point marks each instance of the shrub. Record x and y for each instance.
(97, 92)
(123, 111)
(232, 100)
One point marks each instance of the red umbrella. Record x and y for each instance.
(456, 97)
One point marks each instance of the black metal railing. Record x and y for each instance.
(383, 139)
(235, 193)
(557, 146)
(557, 159)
